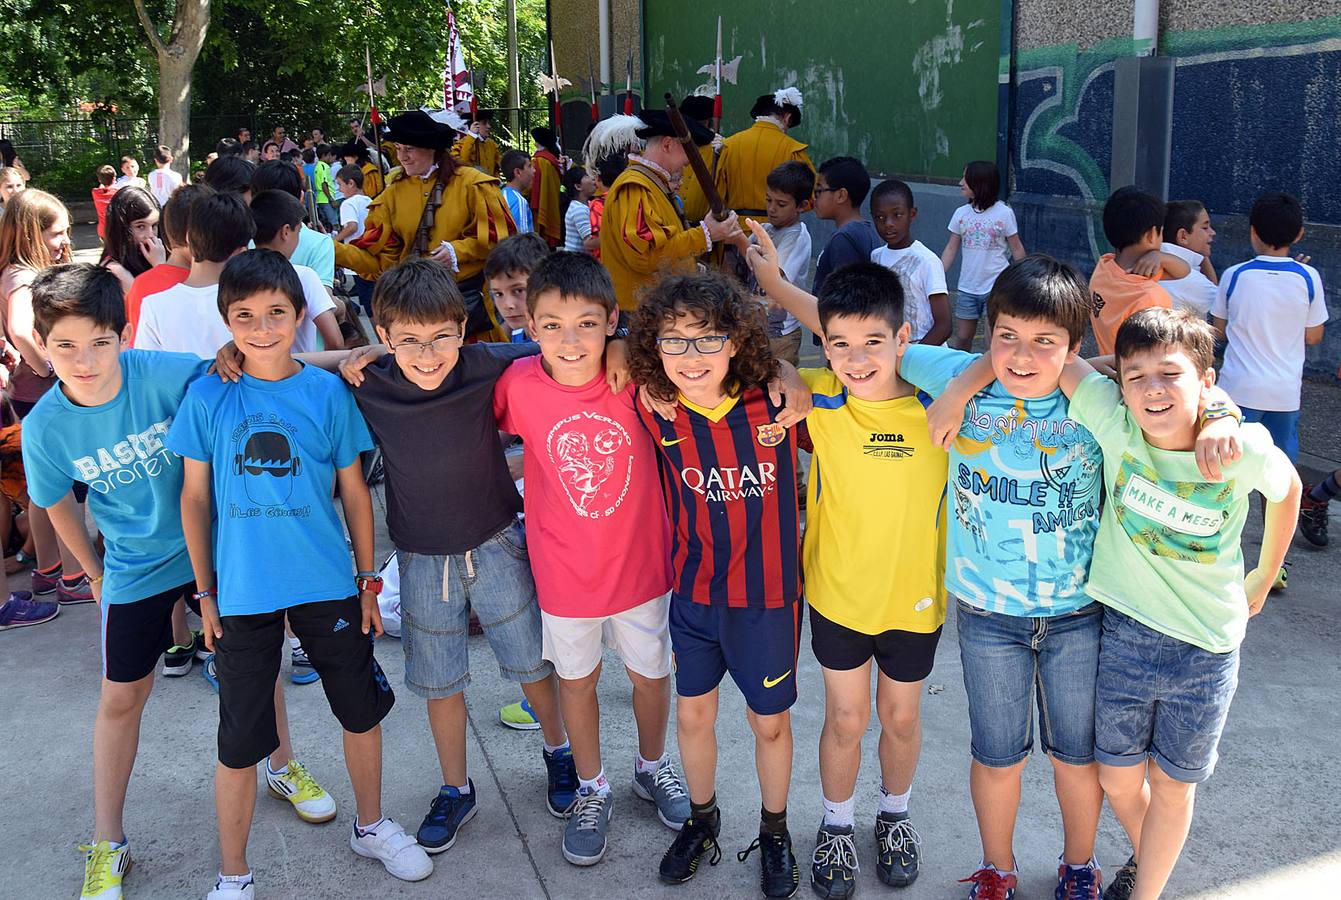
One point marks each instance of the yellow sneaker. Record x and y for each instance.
(310, 802)
(104, 867)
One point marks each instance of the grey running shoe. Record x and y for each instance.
(1123, 882)
(584, 837)
(833, 867)
(900, 849)
(665, 788)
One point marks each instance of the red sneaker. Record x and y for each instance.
(990, 884)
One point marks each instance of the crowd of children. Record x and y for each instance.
(202, 390)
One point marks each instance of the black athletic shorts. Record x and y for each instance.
(135, 635)
(247, 660)
(905, 656)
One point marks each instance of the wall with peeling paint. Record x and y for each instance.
(909, 86)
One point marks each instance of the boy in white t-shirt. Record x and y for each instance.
(1188, 235)
(1263, 307)
(926, 298)
(163, 180)
(353, 215)
(986, 229)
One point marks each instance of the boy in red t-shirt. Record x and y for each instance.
(102, 195)
(607, 170)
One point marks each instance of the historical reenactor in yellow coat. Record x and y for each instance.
(477, 148)
(432, 207)
(544, 198)
(691, 193)
(642, 231)
(748, 156)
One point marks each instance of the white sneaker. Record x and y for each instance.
(231, 890)
(310, 801)
(399, 852)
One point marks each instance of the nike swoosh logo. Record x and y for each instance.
(774, 682)
(666, 443)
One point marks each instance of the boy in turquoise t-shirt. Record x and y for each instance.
(1168, 567)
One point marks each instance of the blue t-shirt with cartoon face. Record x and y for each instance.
(1025, 481)
(135, 482)
(274, 447)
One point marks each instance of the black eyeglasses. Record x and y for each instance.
(705, 345)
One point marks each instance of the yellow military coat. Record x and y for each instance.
(373, 183)
(482, 154)
(641, 233)
(473, 218)
(746, 159)
(691, 192)
(544, 197)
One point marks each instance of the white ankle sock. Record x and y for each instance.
(650, 766)
(295, 644)
(234, 879)
(840, 813)
(367, 829)
(553, 750)
(598, 785)
(894, 803)
(282, 770)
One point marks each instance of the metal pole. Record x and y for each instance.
(603, 25)
(514, 74)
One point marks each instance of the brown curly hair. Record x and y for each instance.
(716, 299)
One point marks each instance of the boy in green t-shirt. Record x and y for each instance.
(1168, 567)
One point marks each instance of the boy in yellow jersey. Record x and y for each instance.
(873, 558)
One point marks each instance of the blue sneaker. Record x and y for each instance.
(208, 673)
(301, 670)
(449, 811)
(21, 609)
(1078, 883)
(563, 783)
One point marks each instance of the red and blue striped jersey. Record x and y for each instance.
(729, 476)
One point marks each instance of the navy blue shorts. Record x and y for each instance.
(757, 646)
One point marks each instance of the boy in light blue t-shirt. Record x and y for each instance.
(104, 424)
(264, 452)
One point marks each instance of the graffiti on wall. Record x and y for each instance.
(1255, 108)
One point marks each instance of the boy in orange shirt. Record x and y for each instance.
(1124, 282)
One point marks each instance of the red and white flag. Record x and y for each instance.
(457, 91)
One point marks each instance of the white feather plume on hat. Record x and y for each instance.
(449, 117)
(788, 96)
(617, 134)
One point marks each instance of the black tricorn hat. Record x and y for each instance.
(658, 124)
(697, 107)
(416, 128)
(356, 149)
(482, 115)
(545, 138)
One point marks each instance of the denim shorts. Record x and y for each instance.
(1010, 660)
(970, 306)
(437, 594)
(1283, 426)
(1161, 698)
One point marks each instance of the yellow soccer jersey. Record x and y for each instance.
(874, 555)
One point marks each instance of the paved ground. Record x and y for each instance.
(1266, 825)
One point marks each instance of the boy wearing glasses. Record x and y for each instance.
(452, 514)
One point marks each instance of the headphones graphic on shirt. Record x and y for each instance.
(267, 464)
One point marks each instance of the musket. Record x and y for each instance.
(591, 88)
(374, 117)
(715, 205)
(717, 95)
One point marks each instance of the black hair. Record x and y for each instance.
(893, 188)
(1160, 327)
(1180, 215)
(230, 174)
(573, 275)
(572, 178)
(309, 154)
(795, 179)
(177, 212)
(106, 174)
(325, 150)
(610, 167)
(250, 273)
(278, 175)
(291, 156)
(78, 289)
(1129, 215)
(984, 182)
(248, 146)
(512, 161)
(7, 152)
(418, 291)
(163, 154)
(271, 211)
(1277, 218)
(1039, 287)
(218, 227)
(130, 204)
(862, 289)
(516, 254)
(351, 173)
(847, 173)
(228, 147)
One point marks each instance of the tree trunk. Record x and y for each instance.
(174, 108)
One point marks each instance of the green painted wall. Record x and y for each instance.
(909, 86)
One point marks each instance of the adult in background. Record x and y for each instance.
(549, 165)
(692, 195)
(748, 156)
(432, 207)
(477, 148)
(9, 159)
(280, 138)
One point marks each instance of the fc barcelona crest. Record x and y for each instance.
(770, 435)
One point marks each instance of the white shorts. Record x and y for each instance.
(641, 637)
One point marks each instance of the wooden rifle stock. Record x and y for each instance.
(705, 180)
